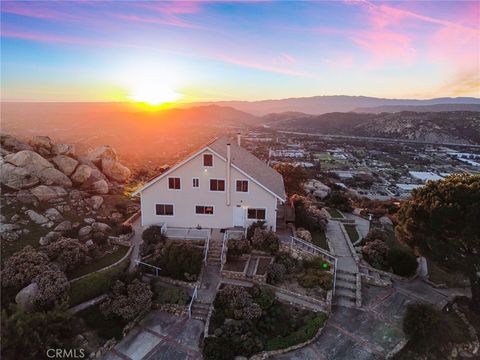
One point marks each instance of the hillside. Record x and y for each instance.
(138, 135)
(419, 108)
(450, 127)
(338, 103)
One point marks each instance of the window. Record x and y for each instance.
(256, 214)
(195, 182)
(164, 209)
(217, 185)
(207, 160)
(242, 185)
(174, 183)
(204, 210)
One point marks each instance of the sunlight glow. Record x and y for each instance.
(154, 94)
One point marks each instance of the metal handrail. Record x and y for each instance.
(207, 247)
(222, 254)
(294, 240)
(194, 296)
(138, 262)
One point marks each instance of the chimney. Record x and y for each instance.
(229, 165)
(239, 139)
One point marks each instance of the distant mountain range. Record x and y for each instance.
(461, 127)
(325, 104)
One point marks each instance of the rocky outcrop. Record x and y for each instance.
(11, 143)
(43, 144)
(25, 197)
(82, 173)
(100, 153)
(36, 217)
(95, 202)
(64, 226)
(65, 164)
(49, 238)
(53, 214)
(10, 232)
(84, 232)
(100, 187)
(17, 178)
(39, 167)
(115, 171)
(101, 227)
(25, 298)
(48, 193)
(64, 149)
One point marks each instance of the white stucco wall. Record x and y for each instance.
(187, 198)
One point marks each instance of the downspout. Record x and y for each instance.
(229, 165)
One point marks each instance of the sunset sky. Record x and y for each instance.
(195, 51)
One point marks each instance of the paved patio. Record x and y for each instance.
(160, 336)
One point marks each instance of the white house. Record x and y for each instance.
(222, 185)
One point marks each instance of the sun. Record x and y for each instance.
(153, 93)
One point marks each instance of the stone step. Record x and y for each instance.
(346, 277)
(200, 305)
(347, 302)
(340, 283)
(347, 293)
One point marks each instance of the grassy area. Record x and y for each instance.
(235, 265)
(94, 284)
(451, 278)
(319, 238)
(105, 328)
(100, 263)
(334, 213)
(32, 238)
(352, 232)
(323, 156)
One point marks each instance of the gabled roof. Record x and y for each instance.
(243, 161)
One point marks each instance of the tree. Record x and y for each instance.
(53, 286)
(23, 266)
(67, 253)
(442, 221)
(30, 335)
(339, 200)
(128, 300)
(293, 177)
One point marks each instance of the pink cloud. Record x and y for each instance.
(30, 9)
(284, 59)
(170, 21)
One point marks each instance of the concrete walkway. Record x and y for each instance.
(346, 262)
(160, 336)
(362, 225)
(136, 241)
(370, 332)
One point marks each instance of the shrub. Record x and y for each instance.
(238, 247)
(127, 300)
(376, 234)
(100, 238)
(307, 214)
(67, 253)
(291, 264)
(217, 348)
(402, 261)
(256, 225)
(275, 273)
(317, 262)
(153, 235)
(23, 266)
(375, 253)
(306, 332)
(122, 229)
(265, 240)
(263, 296)
(171, 296)
(427, 327)
(179, 261)
(314, 277)
(53, 286)
(237, 303)
(241, 336)
(339, 200)
(29, 335)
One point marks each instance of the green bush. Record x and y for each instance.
(426, 327)
(291, 264)
(256, 225)
(306, 332)
(215, 348)
(275, 273)
(318, 263)
(165, 295)
(179, 261)
(237, 247)
(265, 240)
(263, 296)
(153, 235)
(315, 277)
(402, 261)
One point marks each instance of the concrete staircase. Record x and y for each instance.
(346, 289)
(375, 277)
(214, 252)
(200, 310)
